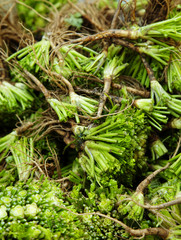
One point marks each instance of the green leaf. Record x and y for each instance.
(75, 20)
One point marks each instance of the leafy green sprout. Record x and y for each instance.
(75, 20)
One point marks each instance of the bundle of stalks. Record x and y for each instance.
(94, 88)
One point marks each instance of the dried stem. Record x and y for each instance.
(116, 15)
(55, 158)
(108, 34)
(133, 11)
(148, 69)
(51, 127)
(38, 83)
(24, 128)
(8, 11)
(151, 207)
(58, 85)
(106, 89)
(146, 181)
(61, 179)
(47, 131)
(177, 148)
(142, 93)
(163, 205)
(127, 44)
(95, 92)
(139, 92)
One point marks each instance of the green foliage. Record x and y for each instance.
(64, 110)
(6, 142)
(30, 18)
(23, 154)
(131, 209)
(115, 148)
(174, 73)
(165, 192)
(34, 206)
(7, 176)
(75, 20)
(102, 158)
(158, 149)
(33, 56)
(39, 210)
(14, 98)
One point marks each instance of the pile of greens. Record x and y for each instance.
(93, 148)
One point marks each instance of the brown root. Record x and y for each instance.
(131, 84)
(146, 181)
(116, 16)
(148, 69)
(157, 10)
(24, 128)
(12, 34)
(102, 101)
(59, 31)
(38, 83)
(11, 31)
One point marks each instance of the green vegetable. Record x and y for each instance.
(17, 212)
(64, 110)
(175, 166)
(111, 71)
(174, 72)
(84, 104)
(33, 57)
(23, 153)
(158, 149)
(131, 209)
(158, 52)
(13, 97)
(31, 210)
(163, 99)
(6, 142)
(94, 63)
(169, 28)
(3, 213)
(156, 114)
(44, 212)
(97, 150)
(175, 123)
(165, 192)
(72, 57)
(111, 149)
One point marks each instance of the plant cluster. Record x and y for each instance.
(99, 109)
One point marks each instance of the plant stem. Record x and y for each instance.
(107, 86)
(112, 33)
(38, 83)
(146, 181)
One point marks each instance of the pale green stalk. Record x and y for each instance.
(84, 104)
(30, 56)
(63, 110)
(6, 142)
(158, 149)
(23, 154)
(163, 99)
